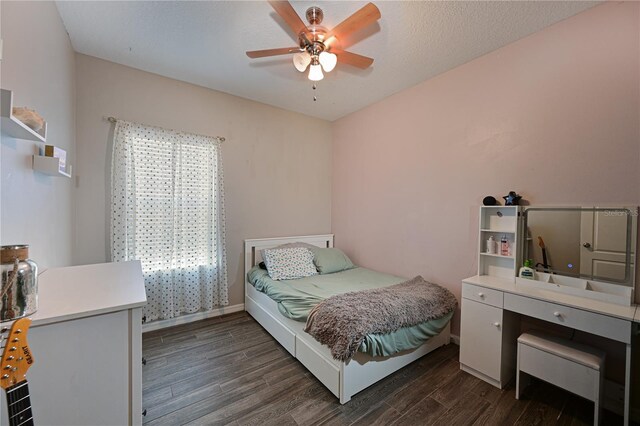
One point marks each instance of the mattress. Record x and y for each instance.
(295, 298)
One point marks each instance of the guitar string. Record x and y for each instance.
(16, 395)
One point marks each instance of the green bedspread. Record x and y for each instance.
(295, 298)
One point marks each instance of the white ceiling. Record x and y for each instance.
(205, 42)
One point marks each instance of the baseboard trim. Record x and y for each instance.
(184, 319)
(455, 339)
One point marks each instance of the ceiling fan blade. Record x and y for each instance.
(366, 16)
(272, 52)
(286, 12)
(353, 59)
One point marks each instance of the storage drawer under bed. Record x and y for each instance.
(323, 369)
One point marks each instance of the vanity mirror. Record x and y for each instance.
(583, 242)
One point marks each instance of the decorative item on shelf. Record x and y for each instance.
(527, 270)
(59, 153)
(505, 249)
(19, 291)
(29, 117)
(491, 245)
(512, 199)
(20, 123)
(489, 201)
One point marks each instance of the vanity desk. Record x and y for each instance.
(494, 302)
(491, 309)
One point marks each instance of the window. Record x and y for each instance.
(167, 211)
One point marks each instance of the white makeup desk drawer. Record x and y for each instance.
(483, 295)
(580, 319)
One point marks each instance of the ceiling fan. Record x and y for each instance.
(318, 46)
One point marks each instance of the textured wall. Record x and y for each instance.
(38, 65)
(554, 116)
(277, 163)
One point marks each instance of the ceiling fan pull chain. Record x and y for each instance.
(314, 92)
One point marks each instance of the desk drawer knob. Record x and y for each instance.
(496, 324)
(481, 295)
(557, 314)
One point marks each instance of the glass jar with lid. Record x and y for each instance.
(19, 291)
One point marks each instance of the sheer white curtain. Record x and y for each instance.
(167, 210)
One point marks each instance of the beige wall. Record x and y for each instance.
(277, 163)
(537, 116)
(554, 116)
(38, 65)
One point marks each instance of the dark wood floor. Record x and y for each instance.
(228, 370)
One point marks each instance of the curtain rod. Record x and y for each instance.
(113, 120)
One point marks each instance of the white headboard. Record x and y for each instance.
(253, 247)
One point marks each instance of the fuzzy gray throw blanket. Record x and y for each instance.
(342, 321)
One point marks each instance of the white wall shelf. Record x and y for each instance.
(14, 127)
(50, 166)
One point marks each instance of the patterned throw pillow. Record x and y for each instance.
(289, 245)
(289, 263)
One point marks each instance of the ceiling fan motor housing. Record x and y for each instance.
(314, 15)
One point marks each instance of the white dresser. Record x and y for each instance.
(86, 340)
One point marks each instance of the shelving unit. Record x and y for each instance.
(50, 166)
(497, 221)
(495, 255)
(14, 127)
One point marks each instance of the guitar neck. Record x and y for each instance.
(19, 405)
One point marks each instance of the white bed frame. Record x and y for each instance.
(343, 379)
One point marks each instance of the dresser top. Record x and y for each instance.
(81, 291)
(507, 285)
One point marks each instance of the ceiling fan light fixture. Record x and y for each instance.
(316, 45)
(315, 72)
(301, 60)
(328, 61)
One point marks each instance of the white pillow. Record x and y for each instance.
(289, 263)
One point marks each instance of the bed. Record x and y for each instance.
(343, 379)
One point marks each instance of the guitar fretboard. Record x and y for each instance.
(19, 405)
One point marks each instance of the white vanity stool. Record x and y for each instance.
(569, 365)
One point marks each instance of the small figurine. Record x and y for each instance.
(512, 199)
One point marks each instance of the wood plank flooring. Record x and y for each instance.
(228, 370)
